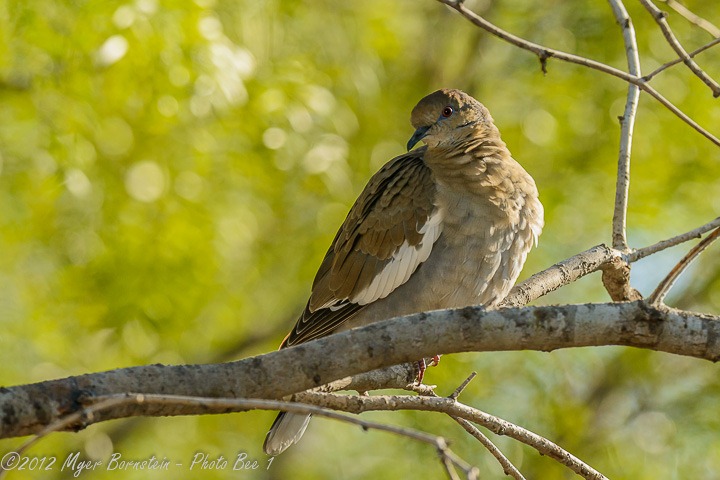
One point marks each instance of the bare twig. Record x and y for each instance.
(222, 405)
(636, 255)
(658, 295)
(627, 123)
(84, 417)
(509, 469)
(659, 17)
(545, 53)
(542, 445)
(462, 386)
(449, 468)
(693, 18)
(356, 404)
(679, 60)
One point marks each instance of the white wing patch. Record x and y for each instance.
(537, 226)
(403, 264)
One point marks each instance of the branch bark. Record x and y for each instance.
(658, 296)
(27, 409)
(662, 22)
(455, 409)
(558, 275)
(627, 124)
(693, 18)
(692, 54)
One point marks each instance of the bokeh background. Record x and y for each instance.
(172, 172)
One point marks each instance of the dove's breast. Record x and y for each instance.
(484, 240)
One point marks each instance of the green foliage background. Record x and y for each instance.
(172, 172)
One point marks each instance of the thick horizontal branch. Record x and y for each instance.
(27, 409)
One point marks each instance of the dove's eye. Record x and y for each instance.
(447, 111)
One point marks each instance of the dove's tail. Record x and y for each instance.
(286, 430)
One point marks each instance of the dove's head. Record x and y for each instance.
(447, 117)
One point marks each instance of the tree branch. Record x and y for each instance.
(616, 280)
(317, 403)
(508, 468)
(589, 261)
(560, 274)
(671, 242)
(627, 123)
(544, 53)
(662, 22)
(27, 409)
(203, 405)
(455, 409)
(658, 295)
(693, 18)
(679, 60)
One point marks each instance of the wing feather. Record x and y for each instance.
(388, 233)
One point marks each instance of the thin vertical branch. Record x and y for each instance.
(659, 17)
(627, 122)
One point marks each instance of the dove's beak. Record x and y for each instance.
(417, 136)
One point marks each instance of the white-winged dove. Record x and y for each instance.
(460, 207)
